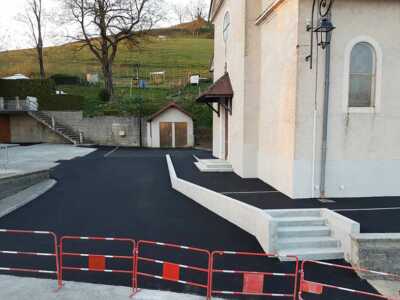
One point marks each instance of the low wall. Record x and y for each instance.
(376, 251)
(342, 229)
(249, 218)
(15, 183)
(103, 130)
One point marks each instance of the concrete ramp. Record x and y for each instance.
(317, 234)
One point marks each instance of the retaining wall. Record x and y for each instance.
(15, 183)
(376, 251)
(103, 130)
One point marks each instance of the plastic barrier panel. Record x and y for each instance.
(250, 282)
(52, 240)
(98, 262)
(325, 280)
(172, 271)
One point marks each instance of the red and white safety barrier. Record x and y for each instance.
(170, 270)
(97, 262)
(26, 253)
(318, 288)
(253, 281)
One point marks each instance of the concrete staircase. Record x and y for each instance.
(306, 234)
(59, 128)
(213, 165)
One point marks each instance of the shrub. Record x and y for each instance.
(104, 95)
(63, 79)
(62, 103)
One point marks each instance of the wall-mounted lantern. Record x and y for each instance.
(324, 27)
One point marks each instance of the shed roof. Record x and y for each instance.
(222, 88)
(168, 107)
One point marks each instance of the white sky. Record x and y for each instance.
(15, 35)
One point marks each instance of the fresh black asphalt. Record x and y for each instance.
(266, 197)
(128, 194)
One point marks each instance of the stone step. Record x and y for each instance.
(313, 253)
(301, 221)
(203, 168)
(287, 213)
(303, 231)
(308, 242)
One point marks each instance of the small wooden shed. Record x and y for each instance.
(170, 127)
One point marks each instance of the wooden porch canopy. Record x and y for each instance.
(220, 92)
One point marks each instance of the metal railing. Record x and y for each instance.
(17, 104)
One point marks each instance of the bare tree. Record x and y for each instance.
(34, 19)
(197, 9)
(180, 12)
(104, 24)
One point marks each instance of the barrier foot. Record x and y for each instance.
(134, 292)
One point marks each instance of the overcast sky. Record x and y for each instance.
(15, 33)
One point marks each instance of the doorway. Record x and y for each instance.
(181, 136)
(165, 134)
(5, 132)
(226, 134)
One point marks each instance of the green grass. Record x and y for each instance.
(179, 55)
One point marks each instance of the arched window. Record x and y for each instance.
(362, 75)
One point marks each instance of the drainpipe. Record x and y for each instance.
(324, 147)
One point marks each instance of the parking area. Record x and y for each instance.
(117, 192)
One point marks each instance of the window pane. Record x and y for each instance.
(360, 91)
(362, 76)
(362, 59)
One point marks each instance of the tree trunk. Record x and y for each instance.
(108, 79)
(41, 62)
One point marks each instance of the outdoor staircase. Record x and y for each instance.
(306, 234)
(213, 165)
(59, 128)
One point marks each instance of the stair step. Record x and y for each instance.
(300, 221)
(303, 231)
(308, 242)
(314, 253)
(294, 213)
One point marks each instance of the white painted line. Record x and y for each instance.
(111, 152)
(367, 209)
(252, 192)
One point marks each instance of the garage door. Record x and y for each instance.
(165, 134)
(181, 138)
(5, 134)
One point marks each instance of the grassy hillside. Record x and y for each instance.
(177, 53)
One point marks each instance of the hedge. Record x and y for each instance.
(63, 79)
(44, 90)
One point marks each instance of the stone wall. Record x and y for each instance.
(377, 251)
(104, 130)
(25, 129)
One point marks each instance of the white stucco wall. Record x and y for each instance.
(276, 126)
(171, 115)
(278, 97)
(233, 54)
(363, 147)
(240, 53)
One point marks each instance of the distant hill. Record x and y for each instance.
(196, 25)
